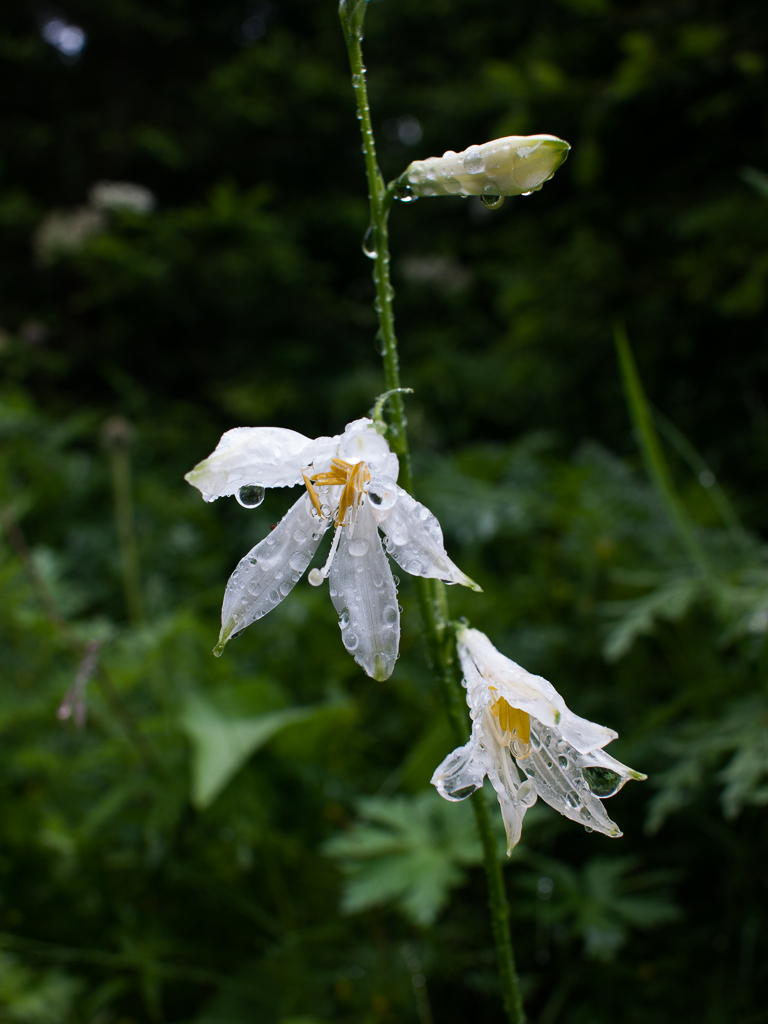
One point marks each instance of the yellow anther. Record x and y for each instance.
(313, 495)
(351, 477)
(512, 721)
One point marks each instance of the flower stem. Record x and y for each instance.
(431, 594)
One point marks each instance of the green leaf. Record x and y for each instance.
(409, 850)
(222, 744)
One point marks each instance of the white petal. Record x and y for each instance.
(461, 773)
(557, 770)
(269, 571)
(363, 593)
(515, 797)
(532, 694)
(415, 541)
(264, 456)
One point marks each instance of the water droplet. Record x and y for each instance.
(382, 493)
(549, 764)
(491, 202)
(369, 243)
(285, 588)
(278, 575)
(463, 793)
(274, 597)
(299, 561)
(315, 577)
(527, 193)
(344, 619)
(473, 160)
(588, 829)
(299, 536)
(452, 185)
(573, 800)
(398, 534)
(349, 640)
(250, 496)
(359, 546)
(562, 761)
(520, 749)
(585, 814)
(390, 615)
(602, 781)
(405, 194)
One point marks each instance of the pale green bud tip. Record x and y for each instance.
(513, 166)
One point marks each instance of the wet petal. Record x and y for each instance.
(269, 571)
(361, 442)
(415, 541)
(262, 456)
(557, 770)
(515, 796)
(461, 773)
(530, 693)
(363, 593)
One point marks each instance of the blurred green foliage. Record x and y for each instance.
(254, 837)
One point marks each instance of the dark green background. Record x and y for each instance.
(244, 298)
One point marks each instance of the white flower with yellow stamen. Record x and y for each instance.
(350, 480)
(520, 723)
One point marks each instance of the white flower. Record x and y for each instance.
(520, 723)
(352, 481)
(513, 166)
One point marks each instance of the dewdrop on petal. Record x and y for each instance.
(512, 166)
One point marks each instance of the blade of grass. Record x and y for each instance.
(653, 454)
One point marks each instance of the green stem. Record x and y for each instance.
(120, 464)
(433, 604)
(380, 201)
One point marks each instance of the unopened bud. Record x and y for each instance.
(513, 166)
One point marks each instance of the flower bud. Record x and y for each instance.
(513, 166)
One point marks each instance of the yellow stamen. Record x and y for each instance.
(513, 721)
(313, 495)
(351, 477)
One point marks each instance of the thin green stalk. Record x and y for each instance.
(438, 629)
(117, 434)
(653, 454)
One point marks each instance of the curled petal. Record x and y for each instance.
(461, 773)
(262, 456)
(271, 570)
(363, 593)
(532, 694)
(415, 541)
(558, 771)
